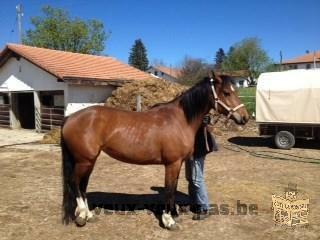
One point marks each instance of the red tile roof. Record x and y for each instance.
(68, 65)
(307, 58)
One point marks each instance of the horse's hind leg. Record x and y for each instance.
(171, 181)
(81, 176)
(83, 190)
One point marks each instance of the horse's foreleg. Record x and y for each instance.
(171, 180)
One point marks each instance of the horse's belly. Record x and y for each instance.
(134, 155)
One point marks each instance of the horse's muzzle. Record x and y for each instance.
(240, 119)
(244, 119)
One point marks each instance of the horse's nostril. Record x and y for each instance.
(245, 119)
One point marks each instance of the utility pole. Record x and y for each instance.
(280, 60)
(19, 17)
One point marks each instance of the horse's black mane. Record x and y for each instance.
(196, 100)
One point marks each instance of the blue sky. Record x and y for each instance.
(172, 29)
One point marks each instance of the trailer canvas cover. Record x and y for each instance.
(289, 97)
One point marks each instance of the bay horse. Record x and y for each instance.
(165, 135)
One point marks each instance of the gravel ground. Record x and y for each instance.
(30, 199)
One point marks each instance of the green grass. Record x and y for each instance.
(250, 91)
(248, 98)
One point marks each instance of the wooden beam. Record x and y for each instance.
(95, 82)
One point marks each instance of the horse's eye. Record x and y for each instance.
(226, 94)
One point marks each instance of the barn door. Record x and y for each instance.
(23, 110)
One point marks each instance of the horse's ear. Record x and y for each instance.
(214, 75)
(210, 74)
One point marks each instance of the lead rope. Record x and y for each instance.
(206, 138)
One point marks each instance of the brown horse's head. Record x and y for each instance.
(226, 100)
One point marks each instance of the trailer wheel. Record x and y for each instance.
(284, 140)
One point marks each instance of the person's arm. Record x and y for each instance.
(213, 146)
(211, 141)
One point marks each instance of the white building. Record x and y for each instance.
(307, 61)
(240, 78)
(39, 86)
(167, 73)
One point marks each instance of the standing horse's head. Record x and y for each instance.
(226, 100)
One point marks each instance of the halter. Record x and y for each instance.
(218, 101)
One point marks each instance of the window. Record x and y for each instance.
(52, 98)
(47, 100)
(156, 73)
(308, 66)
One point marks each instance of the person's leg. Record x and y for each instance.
(197, 188)
(201, 194)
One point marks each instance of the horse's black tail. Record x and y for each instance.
(69, 188)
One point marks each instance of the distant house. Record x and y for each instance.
(167, 73)
(303, 62)
(39, 86)
(240, 78)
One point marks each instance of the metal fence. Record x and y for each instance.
(51, 117)
(5, 115)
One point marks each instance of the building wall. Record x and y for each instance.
(80, 96)
(24, 76)
(300, 66)
(240, 82)
(157, 73)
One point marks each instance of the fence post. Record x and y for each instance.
(50, 118)
(139, 103)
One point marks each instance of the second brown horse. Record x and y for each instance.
(163, 135)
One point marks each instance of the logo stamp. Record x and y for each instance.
(288, 210)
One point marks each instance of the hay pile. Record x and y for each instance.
(155, 91)
(52, 137)
(152, 91)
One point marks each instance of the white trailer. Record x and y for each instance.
(288, 106)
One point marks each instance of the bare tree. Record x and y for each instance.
(193, 70)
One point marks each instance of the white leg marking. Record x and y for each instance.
(89, 213)
(167, 220)
(81, 209)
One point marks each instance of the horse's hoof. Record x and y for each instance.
(168, 222)
(177, 219)
(80, 221)
(97, 211)
(173, 227)
(92, 219)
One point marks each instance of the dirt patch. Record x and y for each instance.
(31, 194)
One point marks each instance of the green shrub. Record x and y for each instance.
(248, 98)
